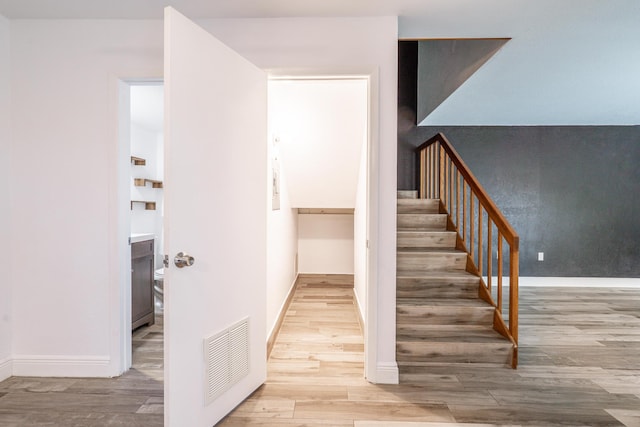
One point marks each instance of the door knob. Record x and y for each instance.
(183, 259)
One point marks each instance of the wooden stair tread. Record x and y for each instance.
(426, 252)
(432, 260)
(421, 214)
(403, 232)
(422, 221)
(405, 200)
(426, 239)
(437, 284)
(418, 206)
(428, 353)
(407, 194)
(448, 333)
(437, 227)
(457, 275)
(443, 302)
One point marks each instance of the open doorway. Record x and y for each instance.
(147, 209)
(140, 231)
(319, 135)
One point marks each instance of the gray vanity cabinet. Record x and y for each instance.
(142, 308)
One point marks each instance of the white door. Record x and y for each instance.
(215, 202)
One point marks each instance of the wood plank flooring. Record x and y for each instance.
(134, 399)
(579, 366)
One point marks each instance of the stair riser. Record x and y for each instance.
(446, 333)
(422, 239)
(407, 194)
(431, 261)
(417, 283)
(434, 292)
(422, 221)
(418, 206)
(454, 352)
(444, 315)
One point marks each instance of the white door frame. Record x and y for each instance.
(120, 325)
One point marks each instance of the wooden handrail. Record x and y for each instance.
(442, 174)
(510, 235)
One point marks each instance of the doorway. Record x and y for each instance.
(140, 229)
(342, 208)
(319, 131)
(147, 209)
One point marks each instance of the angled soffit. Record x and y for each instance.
(444, 65)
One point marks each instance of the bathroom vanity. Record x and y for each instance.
(142, 266)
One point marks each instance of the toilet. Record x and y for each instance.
(158, 290)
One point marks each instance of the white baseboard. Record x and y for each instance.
(387, 373)
(359, 309)
(581, 282)
(61, 366)
(275, 329)
(572, 282)
(6, 369)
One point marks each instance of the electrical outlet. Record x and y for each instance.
(540, 256)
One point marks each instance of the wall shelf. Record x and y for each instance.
(141, 182)
(138, 161)
(149, 206)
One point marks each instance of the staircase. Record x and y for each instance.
(440, 315)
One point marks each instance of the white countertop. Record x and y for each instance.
(141, 237)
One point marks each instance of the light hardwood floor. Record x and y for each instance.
(579, 366)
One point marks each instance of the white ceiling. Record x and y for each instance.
(139, 9)
(147, 106)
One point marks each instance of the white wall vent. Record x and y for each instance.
(226, 356)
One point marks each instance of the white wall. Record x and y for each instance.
(65, 140)
(282, 247)
(325, 243)
(360, 236)
(5, 202)
(321, 125)
(65, 95)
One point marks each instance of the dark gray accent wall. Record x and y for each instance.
(572, 192)
(408, 75)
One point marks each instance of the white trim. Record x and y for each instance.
(283, 309)
(119, 232)
(6, 368)
(370, 317)
(571, 282)
(387, 373)
(62, 366)
(581, 282)
(359, 308)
